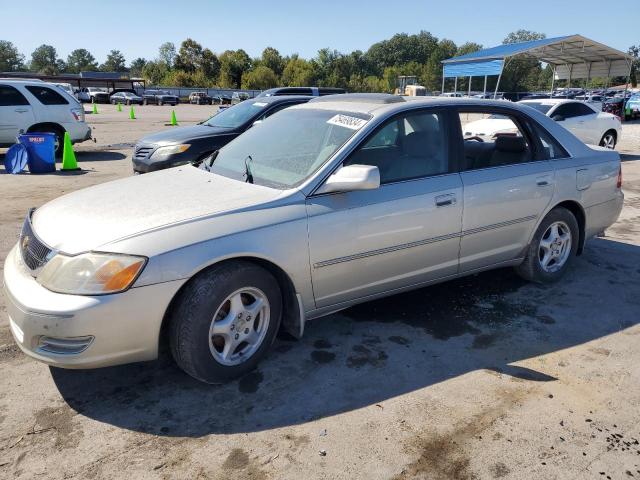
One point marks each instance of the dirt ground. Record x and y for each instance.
(482, 377)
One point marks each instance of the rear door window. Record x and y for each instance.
(46, 95)
(10, 97)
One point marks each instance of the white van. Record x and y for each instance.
(32, 106)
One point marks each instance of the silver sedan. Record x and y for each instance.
(322, 206)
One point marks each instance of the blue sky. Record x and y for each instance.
(302, 26)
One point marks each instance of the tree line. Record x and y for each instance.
(376, 70)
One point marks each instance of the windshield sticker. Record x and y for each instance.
(260, 104)
(354, 123)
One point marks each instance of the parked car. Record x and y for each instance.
(67, 88)
(238, 97)
(40, 107)
(178, 146)
(126, 97)
(93, 95)
(579, 118)
(615, 106)
(159, 97)
(312, 91)
(632, 107)
(322, 206)
(225, 99)
(594, 100)
(200, 98)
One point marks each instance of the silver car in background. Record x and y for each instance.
(320, 207)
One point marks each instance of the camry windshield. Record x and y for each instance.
(541, 107)
(287, 148)
(237, 115)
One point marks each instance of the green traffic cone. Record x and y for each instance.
(69, 162)
(132, 113)
(174, 121)
(119, 107)
(95, 108)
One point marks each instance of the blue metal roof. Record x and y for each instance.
(478, 68)
(503, 51)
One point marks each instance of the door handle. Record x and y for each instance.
(543, 181)
(444, 200)
(21, 110)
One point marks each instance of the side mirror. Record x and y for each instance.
(558, 118)
(352, 177)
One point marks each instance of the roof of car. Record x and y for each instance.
(550, 101)
(279, 99)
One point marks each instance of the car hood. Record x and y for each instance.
(90, 219)
(183, 134)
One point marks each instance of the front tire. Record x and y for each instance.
(224, 321)
(552, 248)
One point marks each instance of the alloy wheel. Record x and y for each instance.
(555, 247)
(239, 326)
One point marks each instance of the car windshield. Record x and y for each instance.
(237, 115)
(541, 107)
(287, 148)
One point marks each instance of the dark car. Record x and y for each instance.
(179, 146)
(616, 106)
(313, 91)
(125, 97)
(200, 98)
(159, 97)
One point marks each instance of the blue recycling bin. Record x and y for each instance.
(41, 150)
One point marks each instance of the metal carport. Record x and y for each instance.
(571, 56)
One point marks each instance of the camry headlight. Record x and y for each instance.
(164, 152)
(91, 273)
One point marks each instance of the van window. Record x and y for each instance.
(10, 97)
(47, 96)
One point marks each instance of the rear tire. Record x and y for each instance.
(549, 255)
(211, 322)
(608, 140)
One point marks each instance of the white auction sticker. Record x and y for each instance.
(260, 104)
(354, 123)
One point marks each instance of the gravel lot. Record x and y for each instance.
(483, 377)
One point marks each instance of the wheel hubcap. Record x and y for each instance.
(608, 141)
(239, 326)
(555, 247)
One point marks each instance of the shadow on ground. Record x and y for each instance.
(376, 351)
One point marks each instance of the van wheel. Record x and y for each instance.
(224, 321)
(554, 245)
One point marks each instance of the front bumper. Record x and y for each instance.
(75, 331)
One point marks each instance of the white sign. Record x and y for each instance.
(354, 123)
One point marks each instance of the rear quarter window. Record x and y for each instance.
(47, 96)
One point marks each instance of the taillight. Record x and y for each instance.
(619, 183)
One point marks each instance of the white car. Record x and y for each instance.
(30, 106)
(93, 95)
(590, 126)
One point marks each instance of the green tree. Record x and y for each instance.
(44, 59)
(209, 65)
(260, 78)
(634, 51)
(233, 64)
(272, 59)
(115, 62)
(167, 53)
(81, 60)
(431, 74)
(298, 72)
(519, 73)
(189, 57)
(401, 49)
(136, 68)
(10, 59)
(154, 72)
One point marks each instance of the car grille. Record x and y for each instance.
(141, 152)
(34, 252)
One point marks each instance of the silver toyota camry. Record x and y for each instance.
(323, 205)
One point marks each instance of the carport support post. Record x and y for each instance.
(455, 86)
(485, 86)
(469, 92)
(624, 95)
(495, 94)
(443, 79)
(553, 79)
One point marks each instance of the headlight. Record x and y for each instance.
(164, 152)
(91, 273)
